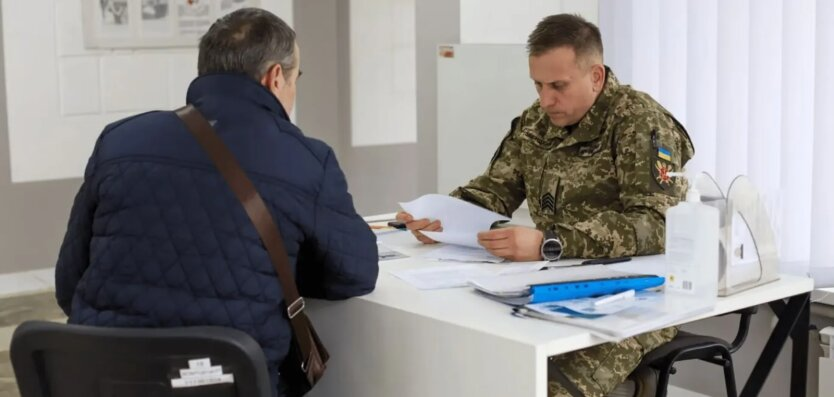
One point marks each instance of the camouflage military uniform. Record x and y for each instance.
(603, 186)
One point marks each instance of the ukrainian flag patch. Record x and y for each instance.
(664, 154)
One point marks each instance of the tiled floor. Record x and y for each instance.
(13, 311)
(23, 296)
(8, 388)
(17, 309)
(23, 283)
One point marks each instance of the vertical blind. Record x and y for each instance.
(753, 82)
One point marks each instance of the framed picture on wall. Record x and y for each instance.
(128, 24)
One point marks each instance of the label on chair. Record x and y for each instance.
(201, 373)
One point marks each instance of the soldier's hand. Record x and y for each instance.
(517, 243)
(417, 225)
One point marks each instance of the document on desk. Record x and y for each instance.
(385, 253)
(458, 253)
(460, 275)
(649, 311)
(461, 221)
(445, 276)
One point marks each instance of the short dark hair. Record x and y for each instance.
(250, 41)
(566, 30)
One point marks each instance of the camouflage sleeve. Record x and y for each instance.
(647, 148)
(501, 187)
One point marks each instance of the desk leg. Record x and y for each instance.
(794, 320)
(799, 361)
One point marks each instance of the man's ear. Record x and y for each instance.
(273, 79)
(598, 75)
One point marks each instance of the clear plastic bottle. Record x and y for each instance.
(692, 243)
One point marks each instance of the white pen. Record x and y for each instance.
(625, 295)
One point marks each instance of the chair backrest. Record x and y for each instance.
(57, 360)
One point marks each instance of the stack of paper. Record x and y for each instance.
(648, 311)
(461, 221)
(515, 288)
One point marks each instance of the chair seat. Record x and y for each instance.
(685, 346)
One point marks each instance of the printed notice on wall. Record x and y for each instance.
(152, 23)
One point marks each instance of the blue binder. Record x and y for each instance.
(581, 289)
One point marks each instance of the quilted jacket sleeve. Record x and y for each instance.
(74, 255)
(340, 260)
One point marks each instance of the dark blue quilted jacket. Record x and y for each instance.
(157, 239)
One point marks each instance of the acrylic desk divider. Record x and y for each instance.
(747, 255)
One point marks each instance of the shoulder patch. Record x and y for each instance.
(660, 171)
(660, 163)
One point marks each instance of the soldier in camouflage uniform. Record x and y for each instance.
(592, 158)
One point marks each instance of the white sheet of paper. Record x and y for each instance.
(462, 254)
(461, 220)
(436, 277)
(466, 239)
(521, 267)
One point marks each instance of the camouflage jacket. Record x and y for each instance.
(604, 186)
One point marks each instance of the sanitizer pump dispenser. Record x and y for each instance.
(692, 244)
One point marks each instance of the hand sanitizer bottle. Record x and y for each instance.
(692, 243)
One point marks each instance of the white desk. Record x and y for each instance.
(400, 341)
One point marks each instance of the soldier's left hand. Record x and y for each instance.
(517, 243)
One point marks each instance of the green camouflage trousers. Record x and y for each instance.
(599, 369)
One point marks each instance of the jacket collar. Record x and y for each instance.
(591, 125)
(234, 85)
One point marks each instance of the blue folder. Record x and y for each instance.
(581, 289)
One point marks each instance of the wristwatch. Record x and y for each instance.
(551, 246)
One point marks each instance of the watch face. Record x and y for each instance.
(552, 249)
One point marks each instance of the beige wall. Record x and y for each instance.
(378, 176)
(33, 216)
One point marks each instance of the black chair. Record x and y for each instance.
(62, 360)
(688, 346)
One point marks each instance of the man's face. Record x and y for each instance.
(566, 90)
(287, 93)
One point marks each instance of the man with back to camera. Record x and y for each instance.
(592, 158)
(156, 238)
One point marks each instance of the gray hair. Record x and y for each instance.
(249, 41)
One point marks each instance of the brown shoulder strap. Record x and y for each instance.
(255, 207)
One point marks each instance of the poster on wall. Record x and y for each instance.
(131, 24)
(59, 94)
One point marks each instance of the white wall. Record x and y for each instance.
(60, 95)
(383, 72)
(481, 88)
(510, 22)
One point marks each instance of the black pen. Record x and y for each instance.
(606, 261)
(397, 225)
(599, 261)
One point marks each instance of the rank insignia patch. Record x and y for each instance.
(547, 203)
